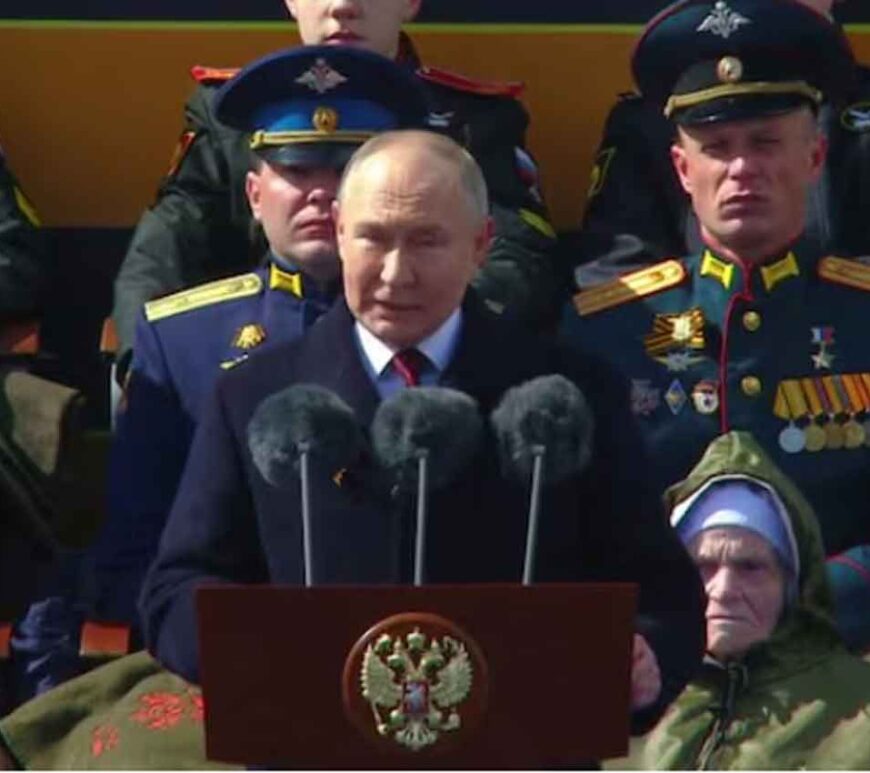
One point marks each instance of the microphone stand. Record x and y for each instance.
(420, 541)
(304, 448)
(538, 452)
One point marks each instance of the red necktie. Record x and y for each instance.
(409, 363)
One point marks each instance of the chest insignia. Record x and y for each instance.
(249, 336)
(705, 397)
(823, 339)
(644, 397)
(676, 397)
(674, 337)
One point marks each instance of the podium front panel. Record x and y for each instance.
(542, 673)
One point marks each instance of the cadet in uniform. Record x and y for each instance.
(637, 213)
(199, 227)
(305, 111)
(759, 330)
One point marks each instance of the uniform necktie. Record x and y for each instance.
(409, 363)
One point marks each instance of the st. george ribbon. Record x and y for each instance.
(422, 438)
(302, 425)
(544, 430)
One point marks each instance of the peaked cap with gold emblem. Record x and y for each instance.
(314, 105)
(724, 60)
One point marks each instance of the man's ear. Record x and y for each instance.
(678, 158)
(483, 240)
(252, 191)
(819, 154)
(291, 6)
(411, 10)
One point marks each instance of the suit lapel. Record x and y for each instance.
(332, 360)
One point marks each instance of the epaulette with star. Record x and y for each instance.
(630, 287)
(219, 291)
(482, 88)
(845, 271)
(202, 74)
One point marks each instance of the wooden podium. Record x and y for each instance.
(389, 677)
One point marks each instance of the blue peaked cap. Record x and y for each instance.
(314, 105)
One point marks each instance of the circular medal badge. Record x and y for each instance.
(815, 437)
(854, 434)
(792, 440)
(835, 437)
(415, 683)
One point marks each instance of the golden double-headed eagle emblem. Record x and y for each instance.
(415, 685)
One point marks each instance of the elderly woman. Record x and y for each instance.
(777, 689)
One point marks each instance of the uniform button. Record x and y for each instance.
(752, 321)
(751, 386)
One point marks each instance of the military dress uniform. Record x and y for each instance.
(200, 226)
(776, 347)
(637, 213)
(710, 347)
(183, 343)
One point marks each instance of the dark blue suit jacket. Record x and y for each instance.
(229, 524)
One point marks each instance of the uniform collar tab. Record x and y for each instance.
(774, 273)
(718, 269)
(286, 281)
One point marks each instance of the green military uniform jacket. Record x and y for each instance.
(797, 701)
(782, 350)
(200, 227)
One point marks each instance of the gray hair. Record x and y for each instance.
(470, 176)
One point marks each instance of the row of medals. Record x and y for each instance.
(819, 437)
(834, 397)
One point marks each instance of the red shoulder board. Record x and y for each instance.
(203, 74)
(459, 82)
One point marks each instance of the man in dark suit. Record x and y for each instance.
(413, 227)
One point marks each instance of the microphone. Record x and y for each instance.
(422, 438)
(544, 431)
(295, 428)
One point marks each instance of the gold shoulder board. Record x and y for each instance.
(843, 271)
(629, 287)
(227, 289)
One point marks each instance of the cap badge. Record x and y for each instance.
(325, 120)
(320, 77)
(729, 69)
(856, 117)
(722, 21)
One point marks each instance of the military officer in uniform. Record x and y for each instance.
(759, 330)
(637, 212)
(198, 229)
(305, 110)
